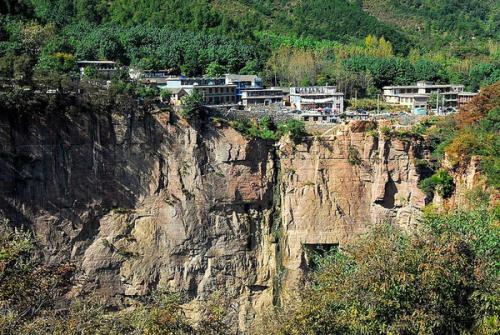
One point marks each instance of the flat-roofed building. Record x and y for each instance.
(242, 82)
(213, 90)
(103, 67)
(318, 117)
(189, 82)
(261, 96)
(464, 98)
(417, 96)
(217, 94)
(317, 97)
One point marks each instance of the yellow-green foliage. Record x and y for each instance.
(441, 279)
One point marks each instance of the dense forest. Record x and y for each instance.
(359, 45)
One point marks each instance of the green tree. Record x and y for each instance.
(192, 104)
(165, 95)
(441, 182)
(214, 69)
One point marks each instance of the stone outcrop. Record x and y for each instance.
(334, 187)
(139, 200)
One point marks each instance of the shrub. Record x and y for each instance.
(373, 133)
(295, 128)
(191, 104)
(386, 131)
(26, 285)
(440, 279)
(266, 129)
(463, 146)
(165, 95)
(353, 155)
(147, 92)
(440, 182)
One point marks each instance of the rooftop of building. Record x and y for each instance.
(241, 77)
(410, 95)
(95, 62)
(423, 85)
(253, 89)
(313, 90)
(176, 90)
(213, 85)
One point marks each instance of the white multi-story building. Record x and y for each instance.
(103, 67)
(215, 91)
(318, 117)
(417, 96)
(243, 82)
(317, 98)
(261, 96)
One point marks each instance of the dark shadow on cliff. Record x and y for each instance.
(69, 159)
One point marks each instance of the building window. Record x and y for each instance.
(338, 106)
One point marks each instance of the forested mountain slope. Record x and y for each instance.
(357, 44)
(338, 20)
(439, 22)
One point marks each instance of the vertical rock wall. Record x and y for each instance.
(137, 202)
(140, 201)
(335, 187)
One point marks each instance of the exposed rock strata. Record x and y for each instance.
(334, 187)
(139, 202)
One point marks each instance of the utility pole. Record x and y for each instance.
(378, 103)
(437, 103)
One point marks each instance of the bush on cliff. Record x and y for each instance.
(473, 131)
(27, 286)
(192, 104)
(440, 182)
(441, 279)
(267, 129)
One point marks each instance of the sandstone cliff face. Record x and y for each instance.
(470, 186)
(335, 187)
(137, 202)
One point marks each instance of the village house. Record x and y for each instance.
(243, 82)
(355, 115)
(317, 97)
(213, 90)
(318, 117)
(416, 97)
(217, 94)
(465, 97)
(176, 96)
(261, 96)
(150, 76)
(104, 67)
